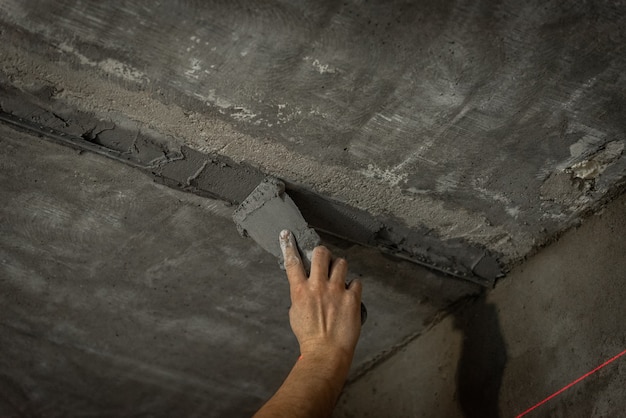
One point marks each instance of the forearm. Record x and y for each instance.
(312, 387)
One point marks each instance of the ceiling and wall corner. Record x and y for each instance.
(457, 135)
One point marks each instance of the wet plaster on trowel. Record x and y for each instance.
(269, 210)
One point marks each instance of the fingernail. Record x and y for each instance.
(285, 239)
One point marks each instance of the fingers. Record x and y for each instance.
(356, 286)
(338, 272)
(323, 267)
(293, 263)
(320, 264)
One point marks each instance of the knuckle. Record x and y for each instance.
(298, 292)
(291, 261)
(353, 297)
(321, 250)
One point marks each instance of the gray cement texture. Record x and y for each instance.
(459, 134)
(467, 122)
(122, 297)
(555, 318)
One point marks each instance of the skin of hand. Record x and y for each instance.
(325, 317)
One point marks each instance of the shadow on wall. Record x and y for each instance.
(482, 361)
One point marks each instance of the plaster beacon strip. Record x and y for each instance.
(186, 168)
(454, 240)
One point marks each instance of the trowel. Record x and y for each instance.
(266, 212)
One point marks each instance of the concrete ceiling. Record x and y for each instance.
(122, 297)
(450, 133)
(459, 135)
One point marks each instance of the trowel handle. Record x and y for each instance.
(363, 313)
(363, 310)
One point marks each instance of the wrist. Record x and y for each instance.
(326, 361)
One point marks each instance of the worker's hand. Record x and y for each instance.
(325, 316)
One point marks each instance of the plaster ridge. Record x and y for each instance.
(452, 257)
(207, 133)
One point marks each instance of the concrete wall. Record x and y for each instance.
(555, 318)
(457, 134)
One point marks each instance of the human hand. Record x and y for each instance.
(325, 315)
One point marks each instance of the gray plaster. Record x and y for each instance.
(446, 117)
(122, 297)
(459, 134)
(217, 176)
(266, 212)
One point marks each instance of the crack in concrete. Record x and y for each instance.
(90, 136)
(65, 122)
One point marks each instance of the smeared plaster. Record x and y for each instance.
(594, 166)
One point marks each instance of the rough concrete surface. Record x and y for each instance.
(552, 320)
(448, 117)
(123, 297)
(462, 135)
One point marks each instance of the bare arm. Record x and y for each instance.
(325, 317)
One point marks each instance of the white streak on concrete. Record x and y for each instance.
(513, 211)
(576, 94)
(446, 183)
(212, 99)
(239, 113)
(498, 197)
(417, 191)
(194, 68)
(109, 65)
(321, 68)
(243, 114)
(387, 176)
(122, 70)
(380, 115)
(284, 115)
(593, 167)
(585, 145)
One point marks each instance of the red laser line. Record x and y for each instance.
(586, 375)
